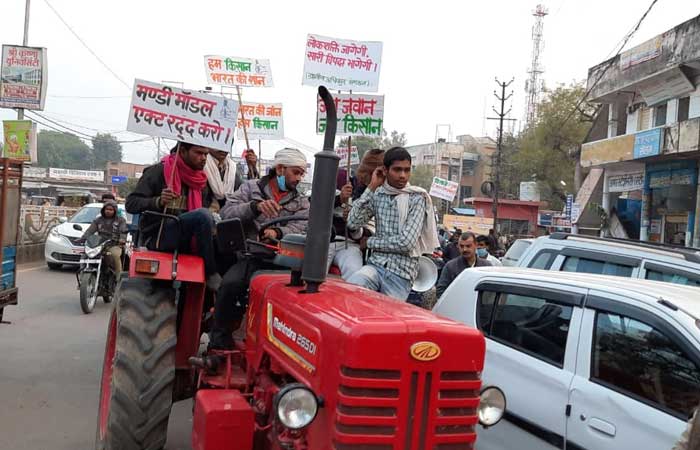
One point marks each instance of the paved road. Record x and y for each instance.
(50, 368)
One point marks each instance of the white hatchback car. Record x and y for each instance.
(63, 244)
(585, 361)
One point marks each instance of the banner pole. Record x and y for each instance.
(170, 186)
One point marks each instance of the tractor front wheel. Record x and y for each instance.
(139, 368)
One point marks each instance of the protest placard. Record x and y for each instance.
(342, 64)
(343, 153)
(192, 117)
(234, 71)
(20, 140)
(262, 120)
(444, 189)
(23, 77)
(358, 115)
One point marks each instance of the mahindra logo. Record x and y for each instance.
(425, 351)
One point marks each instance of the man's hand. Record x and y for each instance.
(346, 193)
(363, 243)
(378, 177)
(251, 157)
(269, 208)
(167, 196)
(269, 233)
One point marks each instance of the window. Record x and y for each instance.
(683, 108)
(543, 260)
(468, 167)
(660, 115)
(533, 325)
(466, 191)
(577, 264)
(636, 358)
(676, 278)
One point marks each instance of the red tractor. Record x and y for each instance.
(323, 365)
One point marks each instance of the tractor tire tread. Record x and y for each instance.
(144, 366)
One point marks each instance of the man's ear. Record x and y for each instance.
(279, 170)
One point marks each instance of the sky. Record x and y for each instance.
(439, 60)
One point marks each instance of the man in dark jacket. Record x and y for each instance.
(110, 226)
(467, 245)
(452, 249)
(178, 186)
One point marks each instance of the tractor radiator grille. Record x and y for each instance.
(414, 410)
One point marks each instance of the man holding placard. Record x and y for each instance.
(178, 185)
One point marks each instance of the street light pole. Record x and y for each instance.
(25, 40)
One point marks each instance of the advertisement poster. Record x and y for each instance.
(20, 140)
(23, 77)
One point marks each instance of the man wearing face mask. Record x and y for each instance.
(482, 250)
(256, 202)
(467, 246)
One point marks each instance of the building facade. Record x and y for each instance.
(467, 162)
(646, 137)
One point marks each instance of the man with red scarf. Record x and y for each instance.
(177, 185)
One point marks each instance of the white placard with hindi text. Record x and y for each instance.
(187, 116)
(342, 152)
(262, 121)
(342, 64)
(235, 71)
(358, 115)
(444, 189)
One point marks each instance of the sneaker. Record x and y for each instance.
(214, 282)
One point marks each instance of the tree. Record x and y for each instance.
(64, 150)
(547, 151)
(422, 176)
(105, 147)
(364, 143)
(127, 188)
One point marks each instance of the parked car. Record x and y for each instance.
(608, 256)
(585, 361)
(63, 244)
(515, 251)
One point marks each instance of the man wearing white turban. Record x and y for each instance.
(258, 201)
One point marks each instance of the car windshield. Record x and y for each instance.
(85, 215)
(514, 253)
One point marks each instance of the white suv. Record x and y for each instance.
(606, 256)
(585, 361)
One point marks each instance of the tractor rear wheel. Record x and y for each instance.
(139, 368)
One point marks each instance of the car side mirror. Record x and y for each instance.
(63, 219)
(77, 227)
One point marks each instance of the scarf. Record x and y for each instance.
(220, 187)
(427, 241)
(195, 180)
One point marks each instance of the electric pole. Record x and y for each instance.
(496, 161)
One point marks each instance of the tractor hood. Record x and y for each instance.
(359, 350)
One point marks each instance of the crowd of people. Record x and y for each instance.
(382, 224)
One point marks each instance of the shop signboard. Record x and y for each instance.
(647, 143)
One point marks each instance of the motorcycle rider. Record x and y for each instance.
(110, 226)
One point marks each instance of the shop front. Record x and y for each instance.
(669, 202)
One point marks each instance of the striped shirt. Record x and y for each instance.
(391, 245)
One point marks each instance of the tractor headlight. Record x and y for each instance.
(492, 406)
(296, 406)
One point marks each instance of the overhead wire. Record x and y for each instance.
(97, 57)
(609, 64)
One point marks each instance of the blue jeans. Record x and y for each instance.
(198, 223)
(381, 280)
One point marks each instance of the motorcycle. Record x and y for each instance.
(95, 277)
